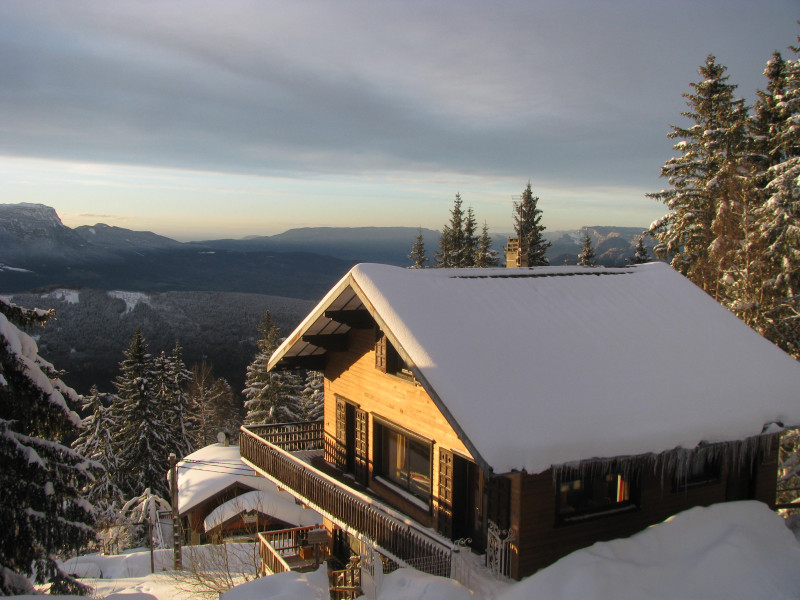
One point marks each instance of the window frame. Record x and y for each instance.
(406, 489)
(584, 512)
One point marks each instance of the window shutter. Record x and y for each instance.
(444, 513)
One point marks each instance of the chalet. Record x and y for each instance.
(219, 497)
(524, 413)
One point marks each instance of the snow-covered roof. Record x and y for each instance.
(544, 366)
(279, 507)
(208, 471)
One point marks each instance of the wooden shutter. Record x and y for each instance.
(444, 512)
(361, 447)
(381, 351)
(340, 456)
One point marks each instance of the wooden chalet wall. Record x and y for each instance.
(540, 541)
(353, 376)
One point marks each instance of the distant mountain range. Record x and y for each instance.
(37, 251)
(105, 281)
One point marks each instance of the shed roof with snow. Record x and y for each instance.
(543, 366)
(213, 469)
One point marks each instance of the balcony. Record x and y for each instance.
(292, 455)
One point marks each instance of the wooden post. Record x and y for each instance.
(177, 561)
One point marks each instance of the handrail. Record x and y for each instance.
(395, 534)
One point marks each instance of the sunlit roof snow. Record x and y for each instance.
(551, 365)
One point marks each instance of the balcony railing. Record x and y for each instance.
(268, 449)
(283, 550)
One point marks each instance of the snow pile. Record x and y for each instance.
(725, 551)
(286, 586)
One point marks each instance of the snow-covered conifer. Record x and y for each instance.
(418, 257)
(43, 512)
(703, 227)
(527, 225)
(639, 252)
(95, 442)
(469, 250)
(586, 257)
(485, 256)
(176, 405)
(313, 399)
(271, 397)
(451, 242)
(143, 436)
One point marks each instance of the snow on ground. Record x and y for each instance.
(131, 299)
(65, 295)
(737, 550)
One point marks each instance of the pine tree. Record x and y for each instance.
(96, 443)
(703, 227)
(143, 438)
(485, 256)
(451, 242)
(417, 256)
(586, 257)
(470, 248)
(529, 230)
(174, 402)
(778, 218)
(271, 396)
(639, 253)
(43, 512)
(313, 401)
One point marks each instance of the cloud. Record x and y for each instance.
(578, 92)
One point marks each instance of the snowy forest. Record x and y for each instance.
(732, 227)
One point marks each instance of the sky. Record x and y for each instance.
(201, 119)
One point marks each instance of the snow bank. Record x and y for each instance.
(285, 586)
(725, 551)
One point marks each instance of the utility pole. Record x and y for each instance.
(176, 520)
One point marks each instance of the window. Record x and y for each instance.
(582, 497)
(404, 460)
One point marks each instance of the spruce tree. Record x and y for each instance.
(485, 256)
(271, 396)
(778, 217)
(313, 399)
(43, 515)
(143, 439)
(703, 227)
(639, 253)
(527, 225)
(470, 248)
(175, 404)
(417, 256)
(586, 257)
(96, 443)
(451, 242)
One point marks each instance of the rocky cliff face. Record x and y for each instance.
(30, 231)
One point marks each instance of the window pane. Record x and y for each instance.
(419, 467)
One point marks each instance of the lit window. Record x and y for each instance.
(404, 461)
(591, 495)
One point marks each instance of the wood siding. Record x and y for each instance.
(352, 375)
(540, 541)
